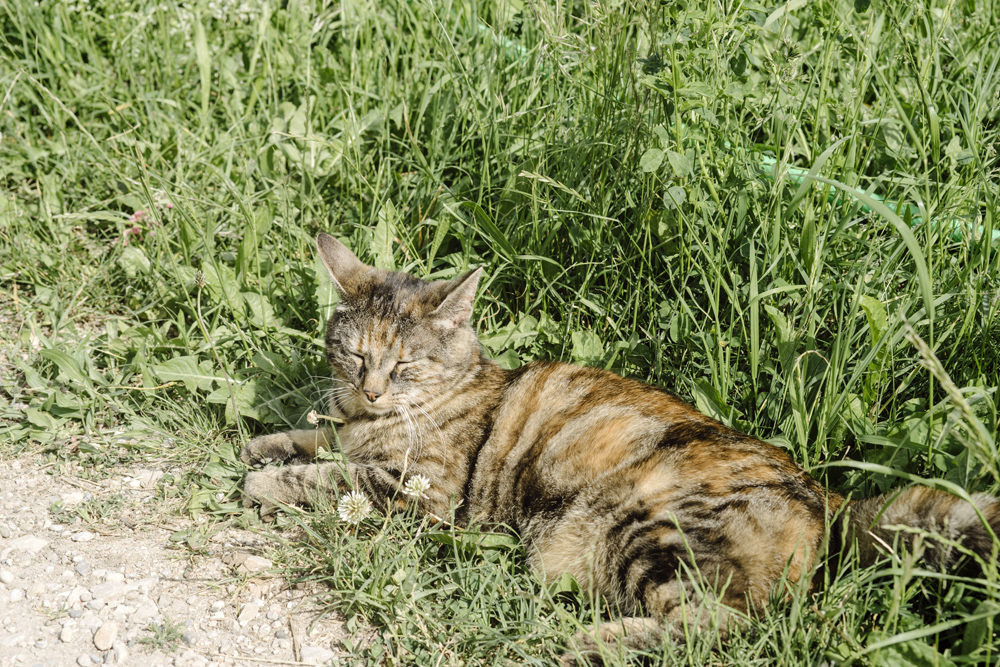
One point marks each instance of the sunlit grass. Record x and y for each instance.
(623, 173)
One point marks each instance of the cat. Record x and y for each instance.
(619, 483)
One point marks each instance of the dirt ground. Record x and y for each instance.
(123, 592)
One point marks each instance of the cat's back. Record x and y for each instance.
(576, 454)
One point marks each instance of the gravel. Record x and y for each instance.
(74, 593)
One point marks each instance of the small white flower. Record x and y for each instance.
(354, 507)
(312, 417)
(417, 486)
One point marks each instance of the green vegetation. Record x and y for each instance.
(166, 166)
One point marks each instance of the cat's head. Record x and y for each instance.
(395, 341)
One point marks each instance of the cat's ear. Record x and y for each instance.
(456, 309)
(344, 267)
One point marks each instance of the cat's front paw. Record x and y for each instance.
(258, 490)
(267, 448)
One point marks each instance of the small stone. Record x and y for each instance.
(218, 605)
(57, 528)
(83, 536)
(96, 605)
(190, 638)
(248, 613)
(109, 592)
(82, 568)
(68, 634)
(12, 639)
(114, 577)
(121, 652)
(106, 635)
(281, 634)
(84, 661)
(75, 613)
(271, 616)
(40, 644)
(316, 655)
(255, 564)
(35, 590)
(86, 596)
(97, 659)
(28, 543)
(71, 499)
(5, 531)
(6, 577)
(16, 594)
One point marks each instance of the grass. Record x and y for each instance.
(166, 166)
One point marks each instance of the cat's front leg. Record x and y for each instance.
(308, 484)
(286, 446)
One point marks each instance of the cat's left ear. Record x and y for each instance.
(456, 309)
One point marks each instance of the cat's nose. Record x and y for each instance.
(372, 395)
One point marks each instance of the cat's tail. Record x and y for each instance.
(942, 519)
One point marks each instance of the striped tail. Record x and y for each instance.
(953, 519)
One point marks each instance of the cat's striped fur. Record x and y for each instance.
(617, 482)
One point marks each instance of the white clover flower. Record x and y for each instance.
(417, 486)
(354, 507)
(312, 417)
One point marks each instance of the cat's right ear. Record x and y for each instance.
(344, 267)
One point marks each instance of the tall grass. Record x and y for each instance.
(166, 166)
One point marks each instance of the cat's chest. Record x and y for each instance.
(390, 438)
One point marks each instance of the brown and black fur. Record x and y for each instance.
(616, 482)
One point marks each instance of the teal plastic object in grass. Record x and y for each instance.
(958, 227)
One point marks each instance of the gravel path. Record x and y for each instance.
(118, 591)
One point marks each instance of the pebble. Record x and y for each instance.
(105, 637)
(82, 568)
(316, 655)
(68, 633)
(6, 578)
(5, 531)
(84, 661)
(248, 613)
(16, 594)
(218, 605)
(254, 564)
(120, 652)
(83, 536)
(190, 638)
(28, 543)
(12, 639)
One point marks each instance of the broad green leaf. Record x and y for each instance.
(674, 197)
(383, 238)
(914, 653)
(42, 419)
(710, 401)
(651, 160)
(194, 374)
(877, 315)
(239, 399)
(134, 261)
(980, 627)
(587, 348)
(261, 311)
(68, 365)
(680, 164)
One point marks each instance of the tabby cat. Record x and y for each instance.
(616, 482)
